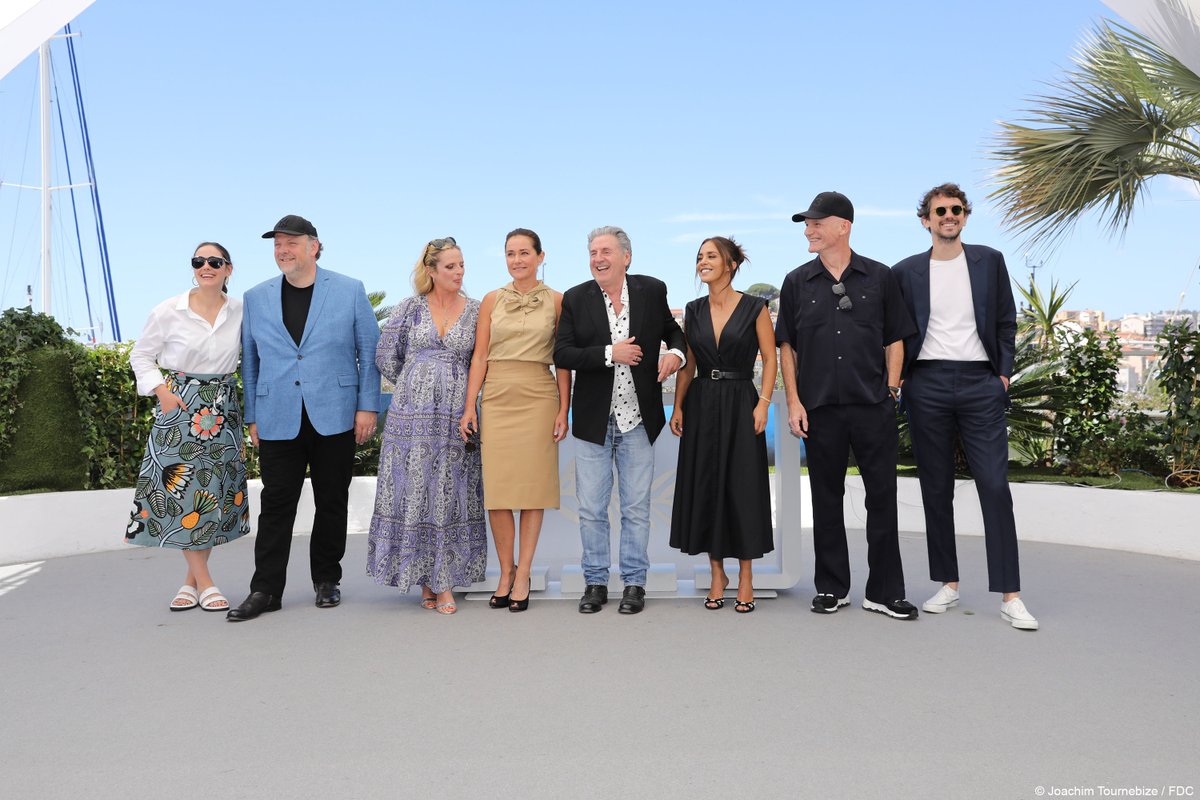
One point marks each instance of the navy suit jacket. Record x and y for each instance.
(583, 334)
(331, 372)
(991, 294)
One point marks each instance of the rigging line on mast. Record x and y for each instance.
(17, 210)
(105, 264)
(62, 291)
(62, 130)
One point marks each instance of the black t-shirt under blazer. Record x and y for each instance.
(840, 354)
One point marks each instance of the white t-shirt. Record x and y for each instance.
(951, 334)
(177, 338)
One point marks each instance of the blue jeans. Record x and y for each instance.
(633, 456)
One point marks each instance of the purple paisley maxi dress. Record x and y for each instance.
(428, 526)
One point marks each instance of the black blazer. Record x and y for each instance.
(583, 334)
(991, 293)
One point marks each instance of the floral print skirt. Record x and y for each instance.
(191, 490)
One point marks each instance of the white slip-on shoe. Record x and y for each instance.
(1014, 611)
(945, 599)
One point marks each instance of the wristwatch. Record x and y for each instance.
(895, 392)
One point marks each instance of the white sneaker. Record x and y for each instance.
(1014, 611)
(945, 599)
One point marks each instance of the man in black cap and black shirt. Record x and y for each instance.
(311, 394)
(840, 331)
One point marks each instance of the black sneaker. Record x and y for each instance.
(896, 609)
(828, 604)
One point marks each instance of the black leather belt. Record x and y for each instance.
(721, 375)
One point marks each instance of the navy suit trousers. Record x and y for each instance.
(945, 399)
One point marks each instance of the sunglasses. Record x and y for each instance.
(844, 303)
(955, 210)
(438, 244)
(472, 443)
(212, 261)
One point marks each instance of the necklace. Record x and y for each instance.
(445, 312)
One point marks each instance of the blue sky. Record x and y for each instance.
(390, 125)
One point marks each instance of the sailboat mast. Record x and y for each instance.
(44, 69)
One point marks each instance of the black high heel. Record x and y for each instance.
(520, 605)
(501, 600)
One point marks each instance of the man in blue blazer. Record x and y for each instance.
(957, 368)
(311, 395)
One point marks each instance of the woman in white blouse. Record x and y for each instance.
(191, 491)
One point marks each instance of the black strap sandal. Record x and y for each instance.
(743, 606)
(714, 603)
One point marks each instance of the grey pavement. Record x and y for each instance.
(106, 694)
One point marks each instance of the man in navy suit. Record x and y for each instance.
(957, 368)
(311, 395)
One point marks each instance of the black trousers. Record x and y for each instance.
(871, 431)
(944, 398)
(283, 462)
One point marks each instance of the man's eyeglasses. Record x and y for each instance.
(955, 210)
(844, 303)
(212, 261)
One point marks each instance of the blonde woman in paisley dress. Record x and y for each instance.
(524, 411)
(428, 526)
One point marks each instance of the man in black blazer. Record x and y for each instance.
(957, 368)
(610, 334)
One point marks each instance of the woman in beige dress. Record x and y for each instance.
(524, 411)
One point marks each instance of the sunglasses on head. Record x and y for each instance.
(844, 303)
(956, 210)
(212, 261)
(438, 244)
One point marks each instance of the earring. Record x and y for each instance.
(194, 281)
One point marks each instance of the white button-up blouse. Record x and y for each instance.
(177, 338)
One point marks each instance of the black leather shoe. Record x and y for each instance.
(252, 606)
(633, 600)
(594, 598)
(328, 594)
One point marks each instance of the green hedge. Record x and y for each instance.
(45, 449)
(70, 415)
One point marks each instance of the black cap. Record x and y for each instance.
(294, 224)
(827, 204)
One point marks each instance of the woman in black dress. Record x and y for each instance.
(722, 498)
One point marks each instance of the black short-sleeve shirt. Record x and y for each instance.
(840, 353)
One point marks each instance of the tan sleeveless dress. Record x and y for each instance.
(520, 401)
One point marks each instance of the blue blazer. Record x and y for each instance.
(991, 293)
(331, 372)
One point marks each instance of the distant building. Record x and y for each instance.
(1133, 323)
(1139, 359)
(1087, 319)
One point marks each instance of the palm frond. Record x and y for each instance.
(1126, 113)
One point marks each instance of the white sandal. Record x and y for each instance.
(210, 597)
(188, 594)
